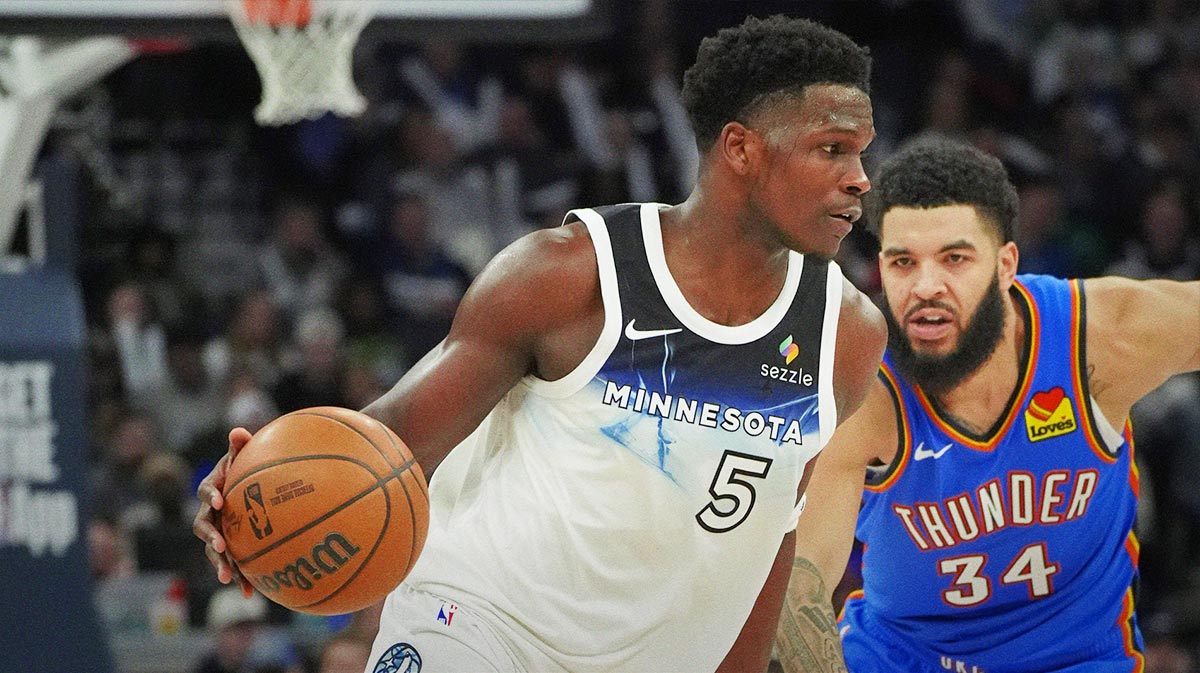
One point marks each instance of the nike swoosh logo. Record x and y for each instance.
(635, 334)
(922, 453)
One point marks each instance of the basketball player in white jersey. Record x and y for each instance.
(626, 407)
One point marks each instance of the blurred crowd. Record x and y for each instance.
(232, 273)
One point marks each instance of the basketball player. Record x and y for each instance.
(633, 399)
(1001, 491)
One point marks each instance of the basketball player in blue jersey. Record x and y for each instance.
(1001, 490)
(626, 407)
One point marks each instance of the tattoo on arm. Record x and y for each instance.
(807, 637)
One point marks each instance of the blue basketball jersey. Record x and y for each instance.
(1011, 551)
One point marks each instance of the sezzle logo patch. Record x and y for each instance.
(788, 350)
(1049, 414)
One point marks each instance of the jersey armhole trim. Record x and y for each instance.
(1100, 434)
(827, 416)
(576, 379)
(881, 478)
(796, 512)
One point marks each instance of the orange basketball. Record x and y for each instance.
(325, 510)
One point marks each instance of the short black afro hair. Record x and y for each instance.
(932, 171)
(738, 66)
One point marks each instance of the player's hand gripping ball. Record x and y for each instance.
(325, 510)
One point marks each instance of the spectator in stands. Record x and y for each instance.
(457, 202)
(110, 553)
(528, 176)
(252, 341)
(161, 535)
(299, 266)
(313, 379)
(423, 282)
(464, 102)
(234, 621)
(345, 652)
(152, 265)
(139, 337)
(1042, 231)
(116, 488)
(164, 480)
(184, 402)
(1167, 240)
(246, 402)
(372, 331)
(360, 385)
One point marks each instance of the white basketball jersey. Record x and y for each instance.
(625, 517)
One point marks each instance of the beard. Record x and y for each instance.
(937, 374)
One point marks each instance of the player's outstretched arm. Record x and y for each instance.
(807, 639)
(861, 336)
(536, 308)
(1139, 334)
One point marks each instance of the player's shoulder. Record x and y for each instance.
(861, 319)
(861, 339)
(547, 275)
(1112, 289)
(563, 253)
(1113, 300)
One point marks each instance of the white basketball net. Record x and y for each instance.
(306, 70)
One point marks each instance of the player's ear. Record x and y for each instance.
(738, 147)
(1007, 260)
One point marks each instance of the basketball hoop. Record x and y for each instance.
(302, 49)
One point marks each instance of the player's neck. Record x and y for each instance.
(726, 275)
(712, 224)
(984, 395)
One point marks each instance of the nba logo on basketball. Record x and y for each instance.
(1049, 414)
(260, 523)
(445, 615)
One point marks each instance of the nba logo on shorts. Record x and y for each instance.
(446, 616)
(399, 658)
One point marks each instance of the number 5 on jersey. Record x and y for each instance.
(732, 492)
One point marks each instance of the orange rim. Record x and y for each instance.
(277, 13)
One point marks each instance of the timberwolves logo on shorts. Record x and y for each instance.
(399, 658)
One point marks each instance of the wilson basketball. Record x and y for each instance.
(325, 510)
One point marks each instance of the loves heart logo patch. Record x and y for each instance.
(1049, 414)
(1045, 403)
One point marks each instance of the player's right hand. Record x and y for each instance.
(205, 524)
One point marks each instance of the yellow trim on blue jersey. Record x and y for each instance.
(1135, 477)
(1079, 374)
(855, 595)
(1134, 548)
(904, 446)
(1018, 400)
(1126, 624)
